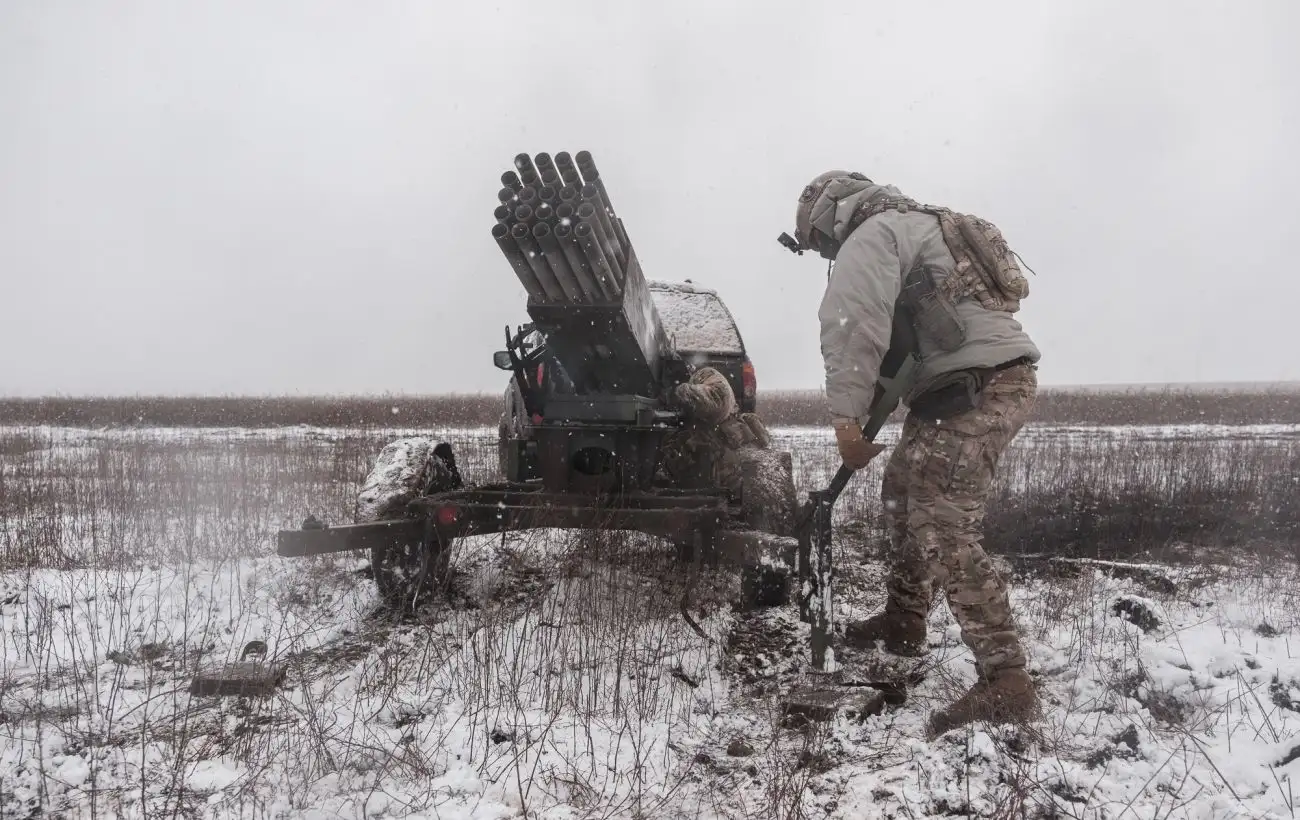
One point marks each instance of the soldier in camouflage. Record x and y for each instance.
(705, 451)
(975, 390)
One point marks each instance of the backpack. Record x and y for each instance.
(986, 268)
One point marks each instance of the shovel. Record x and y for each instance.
(816, 568)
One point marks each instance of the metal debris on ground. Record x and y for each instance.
(243, 678)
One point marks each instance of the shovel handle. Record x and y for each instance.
(816, 565)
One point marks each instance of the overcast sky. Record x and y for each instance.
(295, 197)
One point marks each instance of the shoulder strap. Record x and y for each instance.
(975, 274)
(877, 206)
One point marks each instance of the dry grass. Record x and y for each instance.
(1058, 405)
(1108, 494)
(1280, 405)
(131, 496)
(468, 410)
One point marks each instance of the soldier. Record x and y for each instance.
(911, 275)
(704, 452)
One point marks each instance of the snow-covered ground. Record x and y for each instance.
(560, 679)
(596, 698)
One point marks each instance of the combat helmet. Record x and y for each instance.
(806, 236)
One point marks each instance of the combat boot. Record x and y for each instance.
(1005, 696)
(902, 632)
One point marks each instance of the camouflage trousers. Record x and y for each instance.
(935, 487)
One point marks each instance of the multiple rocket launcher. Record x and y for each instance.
(587, 293)
(557, 228)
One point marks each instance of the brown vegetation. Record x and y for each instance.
(779, 408)
(1058, 405)
(1112, 497)
(140, 496)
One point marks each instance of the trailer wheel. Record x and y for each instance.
(407, 574)
(410, 574)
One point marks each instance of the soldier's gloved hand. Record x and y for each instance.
(855, 450)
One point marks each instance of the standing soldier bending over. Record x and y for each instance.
(944, 286)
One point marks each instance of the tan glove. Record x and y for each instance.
(855, 450)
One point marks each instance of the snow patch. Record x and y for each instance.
(401, 471)
(696, 319)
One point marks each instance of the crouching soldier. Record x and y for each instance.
(706, 451)
(945, 286)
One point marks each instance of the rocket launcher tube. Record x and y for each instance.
(572, 195)
(517, 259)
(588, 212)
(591, 194)
(592, 177)
(524, 215)
(550, 286)
(557, 263)
(585, 234)
(511, 180)
(524, 165)
(578, 263)
(544, 164)
(568, 171)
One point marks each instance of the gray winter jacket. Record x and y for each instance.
(857, 311)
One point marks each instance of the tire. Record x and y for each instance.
(406, 574)
(510, 432)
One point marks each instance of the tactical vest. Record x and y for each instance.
(985, 270)
(986, 267)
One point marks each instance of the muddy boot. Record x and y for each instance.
(902, 632)
(1008, 696)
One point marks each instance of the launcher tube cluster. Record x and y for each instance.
(557, 228)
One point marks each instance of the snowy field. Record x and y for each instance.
(558, 679)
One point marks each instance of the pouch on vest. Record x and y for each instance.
(990, 250)
(954, 394)
(931, 312)
(734, 432)
(759, 430)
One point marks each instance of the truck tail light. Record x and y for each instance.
(748, 379)
(448, 515)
